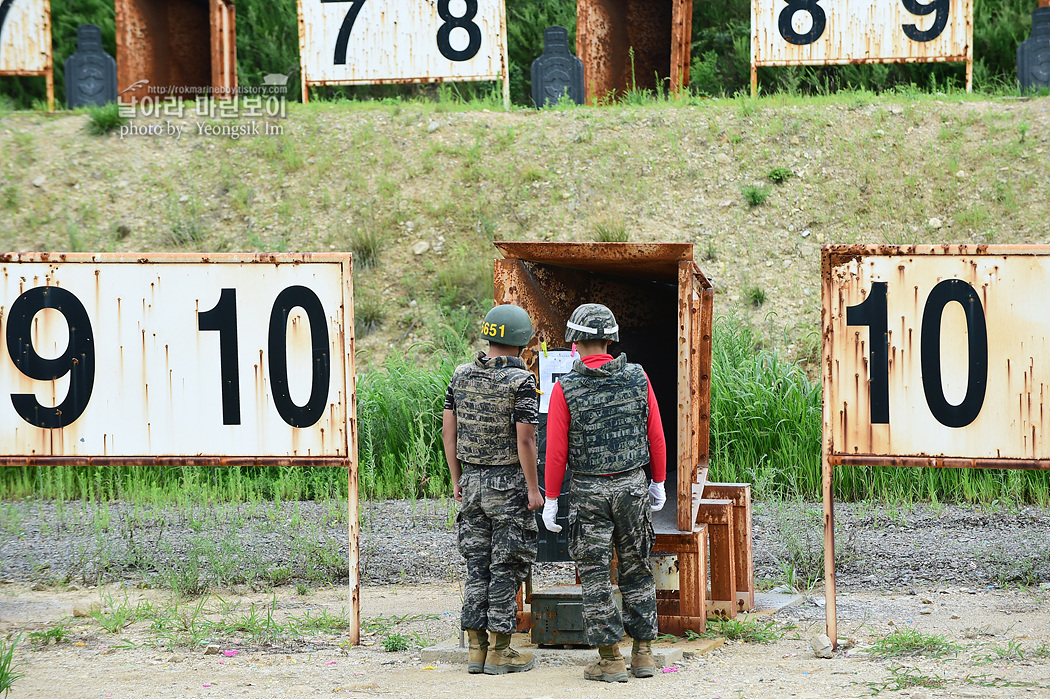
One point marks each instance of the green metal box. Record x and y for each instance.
(557, 615)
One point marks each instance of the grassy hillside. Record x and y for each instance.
(380, 179)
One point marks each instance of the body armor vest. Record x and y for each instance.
(609, 411)
(484, 391)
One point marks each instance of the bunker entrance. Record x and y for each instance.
(662, 304)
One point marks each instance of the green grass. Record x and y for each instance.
(755, 195)
(8, 667)
(611, 231)
(366, 244)
(57, 633)
(910, 643)
(105, 119)
(744, 630)
(902, 678)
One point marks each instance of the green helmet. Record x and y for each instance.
(507, 325)
(592, 321)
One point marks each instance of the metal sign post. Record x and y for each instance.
(25, 41)
(181, 359)
(934, 356)
(362, 42)
(824, 32)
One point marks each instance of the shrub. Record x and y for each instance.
(779, 175)
(105, 119)
(755, 195)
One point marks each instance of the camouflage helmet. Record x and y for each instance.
(592, 321)
(507, 325)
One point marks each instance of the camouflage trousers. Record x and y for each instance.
(497, 537)
(613, 512)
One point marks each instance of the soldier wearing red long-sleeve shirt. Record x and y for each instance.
(604, 422)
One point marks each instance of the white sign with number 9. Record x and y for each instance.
(808, 32)
(375, 41)
(178, 356)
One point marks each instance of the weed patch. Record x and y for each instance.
(8, 668)
(906, 642)
(105, 119)
(755, 195)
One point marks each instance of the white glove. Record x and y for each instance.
(550, 514)
(657, 496)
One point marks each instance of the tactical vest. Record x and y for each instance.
(609, 411)
(484, 391)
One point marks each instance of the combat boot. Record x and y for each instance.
(643, 664)
(479, 648)
(609, 668)
(502, 658)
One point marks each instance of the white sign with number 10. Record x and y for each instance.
(376, 41)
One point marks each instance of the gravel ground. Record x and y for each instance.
(260, 544)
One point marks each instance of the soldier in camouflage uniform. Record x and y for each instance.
(488, 430)
(605, 424)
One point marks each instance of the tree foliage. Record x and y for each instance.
(267, 42)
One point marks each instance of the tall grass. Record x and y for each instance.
(765, 430)
(399, 409)
(765, 416)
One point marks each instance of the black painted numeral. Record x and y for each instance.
(816, 12)
(344, 30)
(872, 313)
(463, 22)
(5, 7)
(308, 414)
(962, 293)
(78, 359)
(941, 7)
(223, 317)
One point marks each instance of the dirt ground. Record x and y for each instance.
(1002, 637)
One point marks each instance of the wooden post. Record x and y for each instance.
(504, 59)
(686, 388)
(50, 74)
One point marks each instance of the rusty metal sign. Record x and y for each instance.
(937, 356)
(347, 42)
(25, 41)
(176, 358)
(820, 32)
(933, 356)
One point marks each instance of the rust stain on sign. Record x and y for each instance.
(936, 355)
